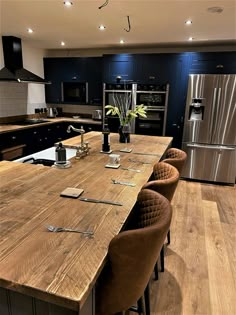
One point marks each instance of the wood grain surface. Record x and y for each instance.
(200, 262)
(62, 268)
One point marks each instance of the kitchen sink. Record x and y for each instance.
(44, 162)
(45, 157)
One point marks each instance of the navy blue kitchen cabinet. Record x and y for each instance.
(121, 65)
(213, 63)
(58, 70)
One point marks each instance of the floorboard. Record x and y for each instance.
(200, 262)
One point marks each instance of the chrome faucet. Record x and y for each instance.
(83, 148)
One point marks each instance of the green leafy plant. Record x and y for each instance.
(126, 115)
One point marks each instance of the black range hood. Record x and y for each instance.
(13, 70)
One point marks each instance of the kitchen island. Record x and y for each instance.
(54, 273)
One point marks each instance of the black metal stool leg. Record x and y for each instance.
(168, 238)
(156, 271)
(147, 300)
(141, 306)
(162, 257)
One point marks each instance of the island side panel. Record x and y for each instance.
(14, 303)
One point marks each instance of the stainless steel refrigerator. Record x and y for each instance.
(209, 137)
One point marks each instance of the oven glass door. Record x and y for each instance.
(152, 125)
(151, 98)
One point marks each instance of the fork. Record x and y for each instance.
(52, 228)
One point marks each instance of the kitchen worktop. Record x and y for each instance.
(12, 127)
(62, 268)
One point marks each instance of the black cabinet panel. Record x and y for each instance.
(88, 70)
(213, 63)
(122, 65)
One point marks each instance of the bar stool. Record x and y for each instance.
(132, 255)
(176, 158)
(165, 182)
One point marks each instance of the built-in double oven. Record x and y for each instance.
(121, 95)
(155, 98)
(127, 96)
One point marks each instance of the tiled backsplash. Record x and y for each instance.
(16, 99)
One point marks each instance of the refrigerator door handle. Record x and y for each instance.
(213, 110)
(216, 114)
(220, 147)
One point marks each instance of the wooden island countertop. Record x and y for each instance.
(62, 268)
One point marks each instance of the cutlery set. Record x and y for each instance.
(101, 201)
(52, 228)
(137, 161)
(123, 183)
(142, 153)
(130, 169)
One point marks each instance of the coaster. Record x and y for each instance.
(71, 192)
(66, 165)
(112, 165)
(106, 152)
(126, 150)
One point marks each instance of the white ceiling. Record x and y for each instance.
(153, 22)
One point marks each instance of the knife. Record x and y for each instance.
(101, 201)
(130, 169)
(136, 161)
(142, 153)
(123, 183)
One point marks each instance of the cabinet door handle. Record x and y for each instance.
(35, 132)
(13, 138)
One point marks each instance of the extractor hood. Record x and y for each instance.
(13, 70)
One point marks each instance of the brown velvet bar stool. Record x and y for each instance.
(176, 158)
(165, 181)
(132, 255)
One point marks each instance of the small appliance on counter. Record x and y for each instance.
(52, 112)
(97, 114)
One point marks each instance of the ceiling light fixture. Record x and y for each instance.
(102, 27)
(62, 43)
(122, 41)
(188, 22)
(29, 30)
(190, 39)
(68, 3)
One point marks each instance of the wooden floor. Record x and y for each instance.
(200, 274)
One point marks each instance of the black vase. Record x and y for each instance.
(124, 132)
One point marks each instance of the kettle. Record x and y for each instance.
(97, 114)
(52, 112)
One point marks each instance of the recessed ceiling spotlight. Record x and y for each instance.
(122, 41)
(62, 43)
(215, 10)
(190, 39)
(68, 3)
(188, 22)
(29, 30)
(102, 27)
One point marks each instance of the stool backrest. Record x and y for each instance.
(131, 258)
(165, 180)
(175, 157)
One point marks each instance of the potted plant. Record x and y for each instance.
(126, 115)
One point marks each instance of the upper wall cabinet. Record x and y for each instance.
(213, 63)
(115, 66)
(58, 70)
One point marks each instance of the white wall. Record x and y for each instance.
(21, 98)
